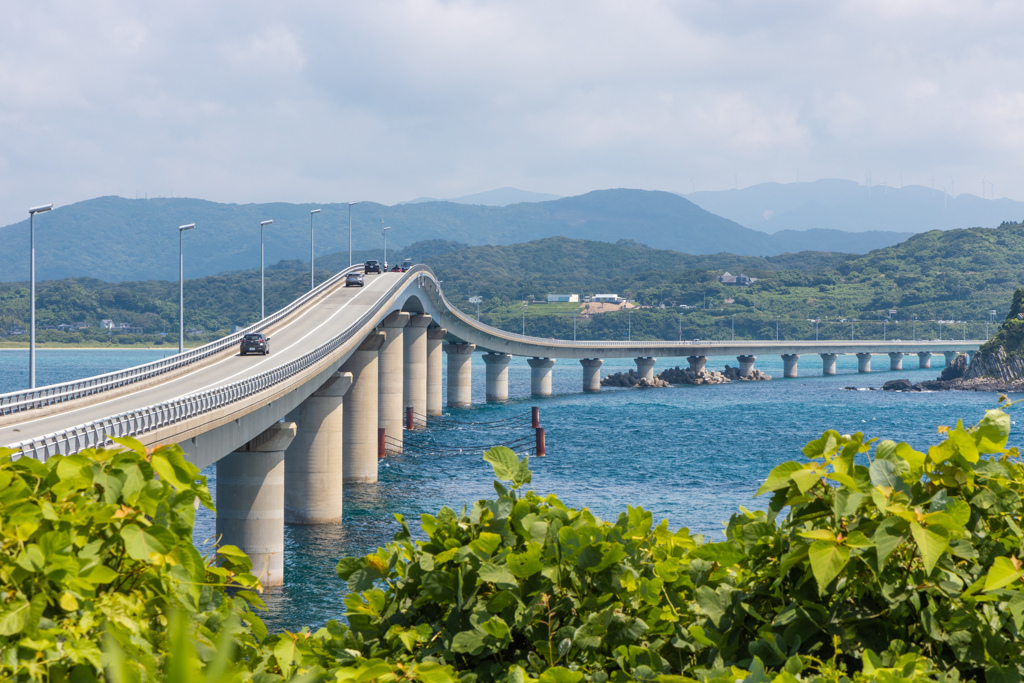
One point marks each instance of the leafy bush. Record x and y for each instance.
(873, 561)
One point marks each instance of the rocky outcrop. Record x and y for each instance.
(678, 375)
(956, 369)
(899, 385)
(996, 365)
(994, 371)
(631, 379)
(754, 375)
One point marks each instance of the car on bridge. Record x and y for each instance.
(371, 266)
(407, 264)
(255, 342)
(354, 280)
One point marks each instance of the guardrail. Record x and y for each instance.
(18, 401)
(136, 422)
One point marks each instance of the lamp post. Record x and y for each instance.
(883, 329)
(312, 270)
(629, 330)
(476, 300)
(734, 327)
(525, 305)
(263, 313)
(913, 328)
(574, 327)
(816, 321)
(991, 314)
(350, 205)
(181, 286)
(384, 232)
(776, 328)
(32, 276)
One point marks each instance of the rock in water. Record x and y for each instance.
(899, 385)
(956, 369)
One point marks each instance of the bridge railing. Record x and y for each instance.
(29, 399)
(139, 421)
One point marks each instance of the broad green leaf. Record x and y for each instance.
(31, 559)
(170, 464)
(504, 462)
(779, 477)
(469, 642)
(857, 539)
(527, 563)
(931, 543)
(130, 443)
(964, 443)
(883, 475)
(823, 447)
(496, 628)
(140, 543)
(432, 672)
(827, 561)
(806, 477)
(1002, 573)
(14, 616)
(498, 574)
(485, 544)
(844, 479)
(559, 674)
(992, 432)
(819, 535)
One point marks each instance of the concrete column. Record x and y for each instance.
(863, 362)
(895, 360)
(645, 368)
(746, 364)
(789, 361)
(390, 373)
(540, 375)
(697, 362)
(460, 374)
(828, 363)
(497, 376)
(359, 438)
(591, 374)
(924, 359)
(950, 357)
(414, 341)
(313, 478)
(250, 501)
(435, 335)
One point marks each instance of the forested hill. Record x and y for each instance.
(117, 239)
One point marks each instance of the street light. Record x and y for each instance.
(181, 286)
(914, 328)
(32, 276)
(734, 327)
(525, 305)
(263, 313)
(384, 232)
(476, 300)
(991, 314)
(312, 279)
(350, 205)
(776, 328)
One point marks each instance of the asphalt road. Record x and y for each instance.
(288, 340)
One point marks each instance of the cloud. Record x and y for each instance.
(326, 101)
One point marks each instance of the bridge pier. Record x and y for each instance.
(746, 364)
(460, 374)
(591, 374)
(313, 477)
(895, 360)
(250, 501)
(435, 335)
(645, 368)
(828, 363)
(950, 357)
(789, 364)
(361, 420)
(414, 343)
(497, 376)
(540, 375)
(863, 362)
(391, 373)
(924, 359)
(696, 363)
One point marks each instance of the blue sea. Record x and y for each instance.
(691, 455)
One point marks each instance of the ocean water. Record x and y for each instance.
(691, 455)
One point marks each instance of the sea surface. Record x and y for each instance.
(691, 455)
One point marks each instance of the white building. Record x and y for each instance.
(563, 298)
(607, 299)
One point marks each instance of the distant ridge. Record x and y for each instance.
(849, 206)
(503, 196)
(117, 239)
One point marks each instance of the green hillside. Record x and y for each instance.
(117, 239)
(948, 276)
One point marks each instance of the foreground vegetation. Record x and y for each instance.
(872, 561)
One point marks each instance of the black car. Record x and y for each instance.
(354, 280)
(371, 267)
(255, 342)
(396, 268)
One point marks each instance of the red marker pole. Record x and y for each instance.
(535, 415)
(381, 452)
(409, 424)
(540, 441)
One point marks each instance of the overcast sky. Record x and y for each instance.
(386, 101)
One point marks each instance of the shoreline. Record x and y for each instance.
(90, 348)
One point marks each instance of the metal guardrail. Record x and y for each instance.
(139, 421)
(18, 401)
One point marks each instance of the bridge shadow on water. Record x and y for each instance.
(690, 455)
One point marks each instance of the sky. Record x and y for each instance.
(390, 100)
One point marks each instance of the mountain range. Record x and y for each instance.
(117, 239)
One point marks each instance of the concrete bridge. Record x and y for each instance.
(289, 430)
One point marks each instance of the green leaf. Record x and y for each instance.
(818, 535)
(1001, 574)
(559, 674)
(992, 432)
(806, 477)
(432, 672)
(887, 536)
(964, 443)
(504, 462)
(139, 542)
(779, 477)
(469, 642)
(931, 543)
(823, 447)
(130, 443)
(527, 563)
(883, 475)
(14, 616)
(827, 561)
(498, 574)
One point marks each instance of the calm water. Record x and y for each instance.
(691, 455)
